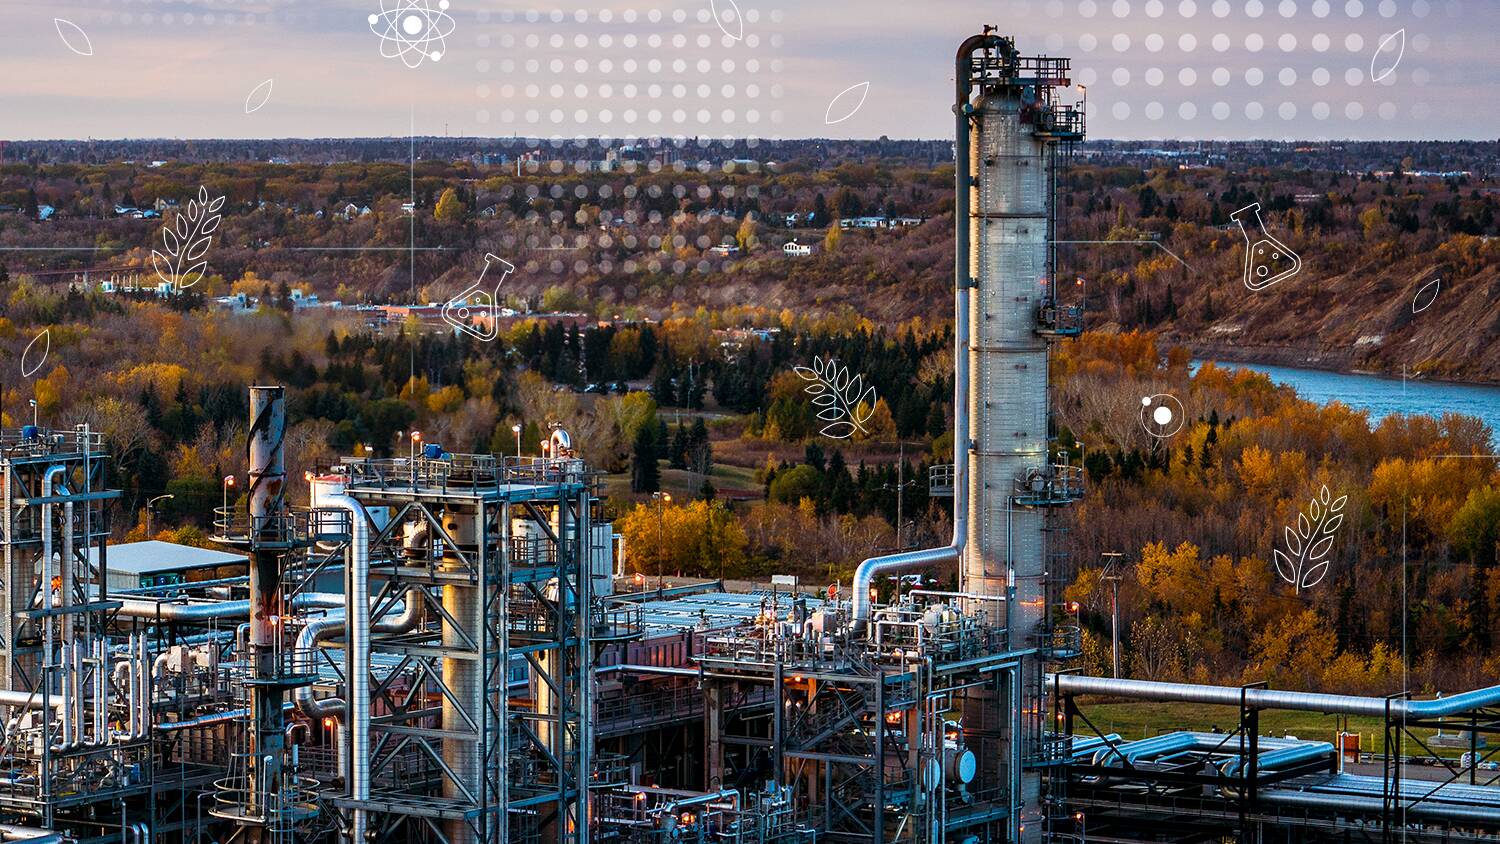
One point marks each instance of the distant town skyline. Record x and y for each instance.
(1169, 69)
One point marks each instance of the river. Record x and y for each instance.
(1383, 396)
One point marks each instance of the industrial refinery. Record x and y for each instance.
(443, 647)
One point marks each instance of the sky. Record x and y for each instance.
(1178, 69)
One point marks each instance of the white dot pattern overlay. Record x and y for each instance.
(670, 81)
(632, 71)
(1219, 69)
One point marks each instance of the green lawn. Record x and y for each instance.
(684, 485)
(1144, 719)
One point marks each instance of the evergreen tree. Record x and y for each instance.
(677, 455)
(813, 456)
(662, 389)
(645, 475)
(700, 453)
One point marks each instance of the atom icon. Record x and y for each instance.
(412, 30)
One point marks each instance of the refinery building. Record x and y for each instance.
(437, 650)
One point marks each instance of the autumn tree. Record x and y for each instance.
(449, 209)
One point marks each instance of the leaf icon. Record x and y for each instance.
(1388, 55)
(1305, 561)
(193, 275)
(1284, 567)
(1426, 296)
(33, 357)
(1314, 575)
(259, 96)
(729, 13)
(842, 397)
(187, 239)
(163, 265)
(840, 103)
(838, 430)
(73, 37)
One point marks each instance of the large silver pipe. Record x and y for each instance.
(963, 282)
(357, 611)
(1347, 803)
(143, 678)
(49, 654)
(401, 620)
(211, 719)
(67, 697)
(1273, 699)
(101, 691)
(29, 700)
(147, 608)
(1272, 760)
(29, 834)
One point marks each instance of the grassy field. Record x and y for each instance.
(1144, 719)
(684, 485)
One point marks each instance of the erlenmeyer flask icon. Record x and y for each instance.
(476, 311)
(1267, 260)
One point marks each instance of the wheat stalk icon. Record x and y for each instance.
(1304, 564)
(845, 403)
(185, 241)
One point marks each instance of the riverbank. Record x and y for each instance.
(1381, 395)
(1336, 362)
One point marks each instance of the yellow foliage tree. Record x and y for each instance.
(446, 400)
(449, 209)
(699, 538)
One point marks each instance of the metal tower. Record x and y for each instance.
(1009, 131)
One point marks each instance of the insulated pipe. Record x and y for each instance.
(29, 834)
(1274, 759)
(1348, 802)
(357, 591)
(317, 632)
(65, 565)
(209, 611)
(67, 697)
(143, 678)
(1269, 699)
(963, 282)
(101, 691)
(211, 719)
(48, 649)
(669, 810)
(29, 700)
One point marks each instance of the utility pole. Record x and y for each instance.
(900, 492)
(901, 484)
(1113, 575)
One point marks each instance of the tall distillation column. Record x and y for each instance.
(266, 492)
(462, 627)
(1010, 205)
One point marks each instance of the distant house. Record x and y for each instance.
(487, 211)
(792, 220)
(408, 207)
(796, 250)
(862, 223)
(45, 212)
(161, 205)
(725, 250)
(352, 210)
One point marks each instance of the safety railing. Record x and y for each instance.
(940, 480)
